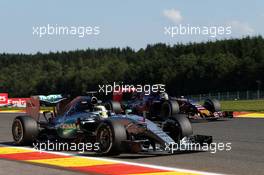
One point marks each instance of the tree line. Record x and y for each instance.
(224, 65)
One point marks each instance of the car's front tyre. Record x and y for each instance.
(110, 135)
(178, 126)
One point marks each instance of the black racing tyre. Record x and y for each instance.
(110, 135)
(24, 130)
(114, 107)
(169, 108)
(212, 105)
(184, 124)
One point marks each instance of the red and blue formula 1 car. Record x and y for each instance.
(159, 106)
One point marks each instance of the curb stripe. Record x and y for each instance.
(12, 111)
(165, 173)
(89, 164)
(12, 150)
(70, 162)
(18, 111)
(116, 169)
(248, 115)
(30, 156)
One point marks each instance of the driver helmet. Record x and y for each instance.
(164, 96)
(94, 100)
(101, 111)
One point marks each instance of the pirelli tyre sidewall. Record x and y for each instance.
(182, 125)
(110, 134)
(24, 130)
(212, 105)
(169, 108)
(113, 106)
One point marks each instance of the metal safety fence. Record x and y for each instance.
(234, 95)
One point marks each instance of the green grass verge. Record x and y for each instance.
(243, 105)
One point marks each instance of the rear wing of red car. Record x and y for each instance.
(33, 107)
(118, 93)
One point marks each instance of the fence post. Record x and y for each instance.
(247, 95)
(258, 94)
(237, 95)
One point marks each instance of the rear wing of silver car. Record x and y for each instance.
(34, 104)
(50, 100)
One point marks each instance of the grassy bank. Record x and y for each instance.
(243, 105)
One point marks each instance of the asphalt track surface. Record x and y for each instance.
(246, 156)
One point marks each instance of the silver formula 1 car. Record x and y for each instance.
(85, 119)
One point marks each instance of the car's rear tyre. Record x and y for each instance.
(169, 108)
(110, 135)
(178, 127)
(212, 105)
(24, 130)
(114, 107)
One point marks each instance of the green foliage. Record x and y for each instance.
(234, 64)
